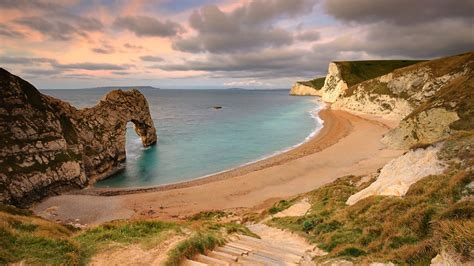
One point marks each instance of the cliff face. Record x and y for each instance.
(334, 84)
(420, 96)
(299, 89)
(47, 145)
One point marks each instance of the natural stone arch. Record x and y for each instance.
(105, 129)
(48, 146)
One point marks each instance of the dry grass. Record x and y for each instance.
(436, 210)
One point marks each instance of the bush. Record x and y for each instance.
(308, 225)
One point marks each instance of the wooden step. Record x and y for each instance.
(253, 243)
(187, 262)
(288, 258)
(231, 251)
(239, 246)
(210, 261)
(250, 262)
(222, 256)
(265, 260)
(285, 248)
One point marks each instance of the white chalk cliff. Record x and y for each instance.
(300, 89)
(398, 175)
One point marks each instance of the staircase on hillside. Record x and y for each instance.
(245, 250)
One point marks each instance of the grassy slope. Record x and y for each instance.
(25, 237)
(408, 230)
(438, 67)
(316, 83)
(354, 72)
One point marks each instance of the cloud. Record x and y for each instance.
(6, 31)
(13, 60)
(133, 47)
(402, 12)
(41, 72)
(61, 27)
(91, 66)
(32, 4)
(247, 28)
(121, 73)
(55, 65)
(403, 28)
(150, 58)
(148, 26)
(262, 64)
(104, 49)
(308, 35)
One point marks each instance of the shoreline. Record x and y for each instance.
(277, 158)
(346, 145)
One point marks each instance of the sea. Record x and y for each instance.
(196, 140)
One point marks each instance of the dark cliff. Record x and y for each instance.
(47, 145)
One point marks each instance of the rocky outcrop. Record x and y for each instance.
(398, 175)
(426, 127)
(397, 94)
(299, 89)
(334, 84)
(47, 145)
(381, 105)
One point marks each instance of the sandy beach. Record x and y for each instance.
(347, 144)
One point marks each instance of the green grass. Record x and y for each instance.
(316, 83)
(24, 237)
(282, 205)
(354, 72)
(207, 236)
(208, 215)
(198, 243)
(123, 233)
(409, 230)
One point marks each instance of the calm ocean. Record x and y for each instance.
(197, 140)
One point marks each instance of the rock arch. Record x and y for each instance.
(47, 145)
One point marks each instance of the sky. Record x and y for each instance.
(63, 44)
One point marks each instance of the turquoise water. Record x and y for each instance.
(196, 140)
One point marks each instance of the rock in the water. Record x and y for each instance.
(47, 145)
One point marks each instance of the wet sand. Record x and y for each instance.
(347, 144)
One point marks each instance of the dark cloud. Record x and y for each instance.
(247, 28)
(133, 47)
(263, 11)
(54, 64)
(308, 36)
(266, 64)
(428, 40)
(403, 12)
(148, 26)
(104, 49)
(31, 4)
(6, 31)
(13, 60)
(42, 72)
(61, 27)
(121, 73)
(150, 58)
